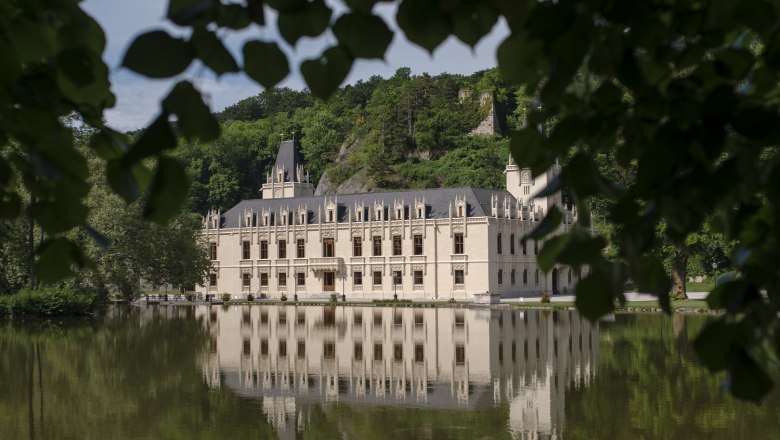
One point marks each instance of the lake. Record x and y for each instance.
(310, 372)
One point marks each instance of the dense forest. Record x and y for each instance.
(401, 132)
(405, 131)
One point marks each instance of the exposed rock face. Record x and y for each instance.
(357, 183)
(489, 125)
(325, 186)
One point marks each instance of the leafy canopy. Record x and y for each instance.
(687, 92)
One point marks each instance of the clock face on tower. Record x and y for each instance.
(525, 176)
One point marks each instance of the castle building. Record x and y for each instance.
(437, 243)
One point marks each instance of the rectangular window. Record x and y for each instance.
(512, 244)
(357, 247)
(377, 278)
(459, 277)
(213, 280)
(396, 245)
(460, 354)
(264, 250)
(525, 276)
(213, 251)
(300, 248)
(500, 276)
(282, 348)
(536, 247)
(301, 349)
(357, 278)
(418, 245)
(301, 278)
(245, 250)
(397, 280)
(329, 350)
(458, 244)
(263, 279)
(498, 243)
(524, 247)
(282, 249)
(536, 277)
(377, 351)
(418, 277)
(358, 351)
(377, 246)
(246, 279)
(512, 277)
(419, 353)
(398, 352)
(282, 279)
(327, 247)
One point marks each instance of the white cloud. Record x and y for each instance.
(138, 98)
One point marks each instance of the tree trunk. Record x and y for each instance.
(31, 253)
(679, 272)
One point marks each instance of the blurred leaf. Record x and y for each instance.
(548, 224)
(552, 249)
(195, 118)
(310, 20)
(365, 36)
(265, 63)
(713, 344)
(594, 298)
(520, 61)
(167, 192)
(99, 239)
(55, 259)
(424, 23)
(157, 138)
(121, 179)
(324, 75)
(472, 21)
(188, 12)
(364, 6)
(748, 379)
(158, 55)
(233, 16)
(212, 52)
(650, 277)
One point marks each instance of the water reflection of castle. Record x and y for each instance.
(291, 357)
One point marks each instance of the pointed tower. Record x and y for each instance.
(287, 178)
(524, 186)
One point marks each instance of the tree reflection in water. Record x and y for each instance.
(363, 373)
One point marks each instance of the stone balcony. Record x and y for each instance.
(326, 263)
(357, 260)
(245, 263)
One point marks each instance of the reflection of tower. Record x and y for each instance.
(294, 358)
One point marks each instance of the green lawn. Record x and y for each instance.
(559, 305)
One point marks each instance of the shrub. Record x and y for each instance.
(545, 297)
(250, 297)
(333, 297)
(225, 297)
(284, 298)
(189, 297)
(47, 302)
(451, 301)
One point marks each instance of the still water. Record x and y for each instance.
(247, 372)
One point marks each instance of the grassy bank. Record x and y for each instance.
(46, 302)
(685, 304)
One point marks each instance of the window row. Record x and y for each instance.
(357, 278)
(328, 247)
(512, 241)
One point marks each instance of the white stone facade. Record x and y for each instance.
(420, 244)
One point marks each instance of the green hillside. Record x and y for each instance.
(405, 131)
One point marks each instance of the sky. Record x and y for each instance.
(138, 97)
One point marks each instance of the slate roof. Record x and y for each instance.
(289, 157)
(437, 201)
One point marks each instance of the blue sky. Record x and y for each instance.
(138, 97)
